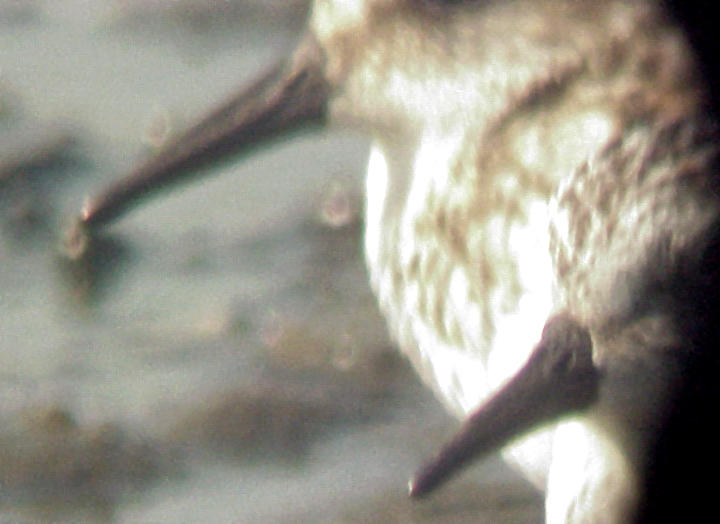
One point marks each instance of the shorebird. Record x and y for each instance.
(541, 212)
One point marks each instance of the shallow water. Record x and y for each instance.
(222, 360)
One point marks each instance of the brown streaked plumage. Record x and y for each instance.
(537, 165)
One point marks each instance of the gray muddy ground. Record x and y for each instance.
(220, 357)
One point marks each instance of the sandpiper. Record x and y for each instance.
(540, 218)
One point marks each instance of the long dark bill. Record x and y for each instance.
(292, 96)
(558, 378)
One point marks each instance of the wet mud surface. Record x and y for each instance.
(219, 356)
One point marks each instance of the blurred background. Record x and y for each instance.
(219, 357)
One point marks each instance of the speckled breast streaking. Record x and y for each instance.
(541, 193)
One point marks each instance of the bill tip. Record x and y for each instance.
(417, 487)
(76, 239)
(412, 489)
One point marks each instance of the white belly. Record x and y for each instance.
(461, 363)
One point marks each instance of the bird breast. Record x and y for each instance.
(449, 270)
(461, 218)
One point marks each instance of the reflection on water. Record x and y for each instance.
(219, 356)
